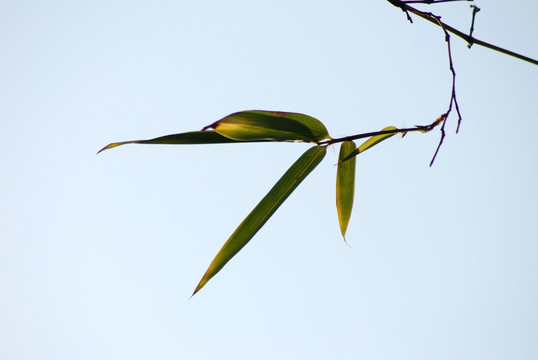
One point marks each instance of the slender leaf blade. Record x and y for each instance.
(374, 140)
(345, 185)
(186, 138)
(270, 125)
(264, 210)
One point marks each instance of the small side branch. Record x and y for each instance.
(453, 98)
(476, 9)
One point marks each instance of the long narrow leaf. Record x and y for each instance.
(270, 125)
(374, 140)
(345, 185)
(186, 138)
(264, 210)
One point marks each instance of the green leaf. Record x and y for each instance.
(374, 140)
(191, 138)
(264, 210)
(345, 185)
(271, 125)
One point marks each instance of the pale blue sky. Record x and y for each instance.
(99, 254)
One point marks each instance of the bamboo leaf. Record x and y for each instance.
(374, 140)
(187, 138)
(270, 125)
(264, 210)
(345, 185)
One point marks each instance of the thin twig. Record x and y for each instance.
(453, 98)
(406, 8)
(443, 134)
(419, 128)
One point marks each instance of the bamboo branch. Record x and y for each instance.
(419, 128)
(470, 39)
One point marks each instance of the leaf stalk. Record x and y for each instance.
(419, 128)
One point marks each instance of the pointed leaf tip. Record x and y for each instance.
(113, 145)
(186, 138)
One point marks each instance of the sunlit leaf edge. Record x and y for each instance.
(270, 125)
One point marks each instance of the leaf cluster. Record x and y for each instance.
(275, 126)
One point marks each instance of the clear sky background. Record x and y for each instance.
(99, 254)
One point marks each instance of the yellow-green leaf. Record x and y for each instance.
(345, 185)
(270, 125)
(187, 138)
(374, 140)
(264, 210)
